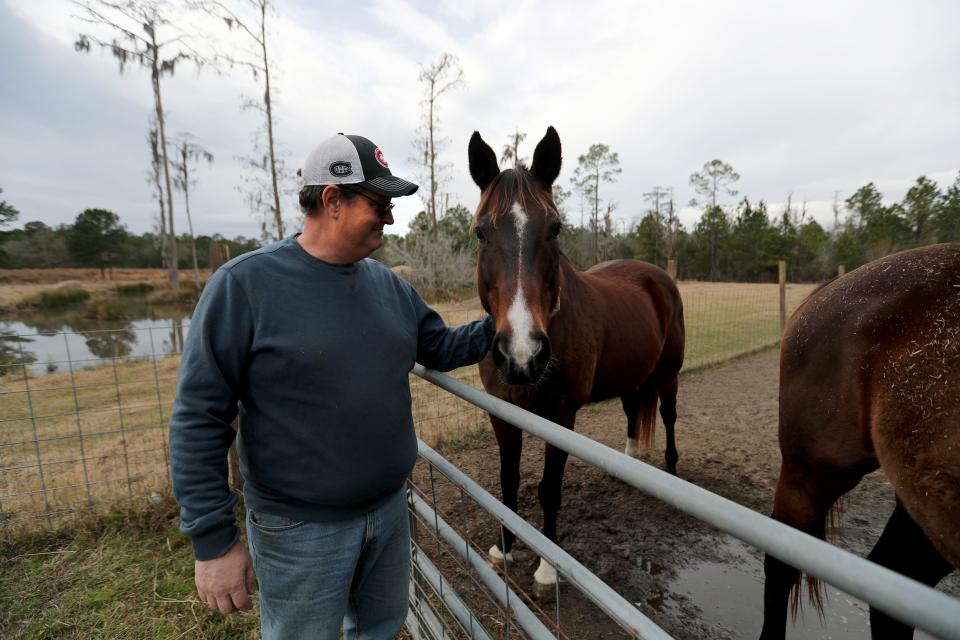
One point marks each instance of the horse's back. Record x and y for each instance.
(643, 323)
(870, 369)
(616, 278)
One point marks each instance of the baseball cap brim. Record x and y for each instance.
(390, 186)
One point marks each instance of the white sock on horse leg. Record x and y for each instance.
(545, 573)
(632, 449)
(497, 555)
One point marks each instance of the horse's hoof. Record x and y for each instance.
(496, 558)
(544, 592)
(545, 580)
(631, 449)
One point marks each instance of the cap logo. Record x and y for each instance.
(341, 168)
(379, 156)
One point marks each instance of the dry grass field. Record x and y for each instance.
(86, 276)
(19, 284)
(72, 441)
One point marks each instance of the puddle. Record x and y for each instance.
(729, 595)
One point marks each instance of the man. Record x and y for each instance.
(313, 344)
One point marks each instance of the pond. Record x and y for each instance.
(49, 343)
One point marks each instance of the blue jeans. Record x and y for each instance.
(313, 576)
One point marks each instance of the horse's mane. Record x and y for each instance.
(513, 185)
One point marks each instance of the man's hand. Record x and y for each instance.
(226, 583)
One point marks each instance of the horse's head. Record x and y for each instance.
(518, 267)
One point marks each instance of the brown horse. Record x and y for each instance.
(870, 377)
(565, 338)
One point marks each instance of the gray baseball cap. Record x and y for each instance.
(348, 159)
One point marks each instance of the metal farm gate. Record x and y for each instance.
(438, 610)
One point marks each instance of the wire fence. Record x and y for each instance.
(83, 424)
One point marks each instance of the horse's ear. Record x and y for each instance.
(483, 161)
(547, 158)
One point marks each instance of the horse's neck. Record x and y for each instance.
(574, 291)
(571, 278)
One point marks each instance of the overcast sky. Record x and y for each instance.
(806, 98)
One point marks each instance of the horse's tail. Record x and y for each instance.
(816, 594)
(816, 591)
(646, 414)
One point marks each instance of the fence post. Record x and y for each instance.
(672, 269)
(219, 254)
(782, 264)
(841, 269)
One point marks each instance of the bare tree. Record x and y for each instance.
(511, 150)
(443, 75)
(188, 151)
(154, 176)
(249, 17)
(836, 214)
(597, 165)
(136, 27)
(672, 227)
(656, 197)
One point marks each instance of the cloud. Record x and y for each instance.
(805, 98)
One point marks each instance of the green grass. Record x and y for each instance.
(123, 574)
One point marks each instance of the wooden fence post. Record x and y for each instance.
(782, 264)
(219, 255)
(672, 269)
(841, 269)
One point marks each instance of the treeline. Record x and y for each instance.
(742, 243)
(38, 245)
(746, 243)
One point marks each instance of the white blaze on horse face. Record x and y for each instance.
(522, 347)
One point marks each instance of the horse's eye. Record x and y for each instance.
(480, 236)
(555, 229)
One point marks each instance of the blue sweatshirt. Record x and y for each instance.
(315, 357)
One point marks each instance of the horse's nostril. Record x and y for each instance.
(537, 347)
(503, 348)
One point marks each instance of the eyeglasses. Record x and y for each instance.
(382, 210)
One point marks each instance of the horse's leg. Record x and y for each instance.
(510, 442)
(803, 498)
(668, 412)
(549, 494)
(904, 548)
(631, 407)
(555, 461)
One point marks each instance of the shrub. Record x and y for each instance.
(435, 266)
(135, 289)
(53, 300)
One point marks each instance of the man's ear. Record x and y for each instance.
(332, 200)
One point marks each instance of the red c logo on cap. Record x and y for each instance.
(379, 156)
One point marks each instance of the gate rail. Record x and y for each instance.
(900, 597)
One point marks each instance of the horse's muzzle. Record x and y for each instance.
(515, 371)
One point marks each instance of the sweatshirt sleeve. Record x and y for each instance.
(211, 374)
(442, 348)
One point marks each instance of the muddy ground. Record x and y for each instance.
(693, 581)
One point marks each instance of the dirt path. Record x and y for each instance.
(690, 579)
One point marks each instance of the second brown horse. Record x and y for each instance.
(870, 378)
(565, 338)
